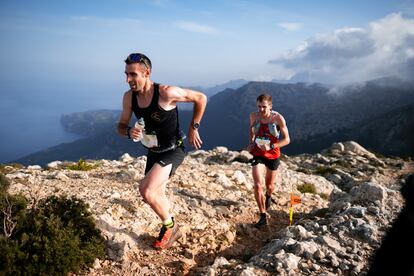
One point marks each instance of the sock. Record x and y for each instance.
(169, 223)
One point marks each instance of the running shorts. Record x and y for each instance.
(174, 157)
(271, 164)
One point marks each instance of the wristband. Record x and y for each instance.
(127, 132)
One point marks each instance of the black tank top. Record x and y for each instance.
(164, 124)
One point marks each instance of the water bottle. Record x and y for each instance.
(141, 125)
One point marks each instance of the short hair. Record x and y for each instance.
(139, 58)
(264, 97)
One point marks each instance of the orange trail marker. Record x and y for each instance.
(293, 200)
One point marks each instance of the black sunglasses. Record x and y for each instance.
(138, 58)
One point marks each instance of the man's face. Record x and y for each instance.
(264, 107)
(136, 76)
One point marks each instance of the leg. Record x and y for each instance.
(270, 186)
(257, 172)
(152, 189)
(270, 181)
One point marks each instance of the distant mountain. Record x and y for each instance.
(311, 110)
(233, 84)
(391, 133)
(211, 91)
(103, 142)
(89, 122)
(378, 114)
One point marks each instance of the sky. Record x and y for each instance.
(81, 44)
(67, 56)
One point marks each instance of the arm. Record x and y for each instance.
(174, 94)
(251, 131)
(284, 130)
(125, 118)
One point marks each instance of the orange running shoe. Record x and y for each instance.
(167, 237)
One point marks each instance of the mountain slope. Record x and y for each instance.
(316, 116)
(311, 110)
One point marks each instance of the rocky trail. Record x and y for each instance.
(336, 228)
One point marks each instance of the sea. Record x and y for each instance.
(30, 119)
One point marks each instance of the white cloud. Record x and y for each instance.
(290, 26)
(195, 27)
(385, 47)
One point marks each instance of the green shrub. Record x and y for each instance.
(325, 170)
(81, 165)
(307, 188)
(4, 184)
(324, 196)
(57, 236)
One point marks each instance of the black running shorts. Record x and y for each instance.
(174, 157)
(271, 164)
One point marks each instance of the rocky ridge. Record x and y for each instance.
(335, 232)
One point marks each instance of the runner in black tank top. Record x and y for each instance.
(161, 135)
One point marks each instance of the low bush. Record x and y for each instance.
(325, 170)
(307, 188)
(81, 165)
(54, 237)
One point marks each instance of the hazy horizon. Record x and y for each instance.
(67, 56)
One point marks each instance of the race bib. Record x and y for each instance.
(261, 141)
(149, 140)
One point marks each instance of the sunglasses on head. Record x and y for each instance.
(138, 58)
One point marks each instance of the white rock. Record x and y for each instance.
(220, 150)
(220, 261)
(358, 149)
(288, 260)
(239, 177)
(34, 167)
(54, 164)
(224, 181)
(369, 192)
(58, 175)
(338, 147)
(126, 158)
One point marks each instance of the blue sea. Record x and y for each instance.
(30, 120)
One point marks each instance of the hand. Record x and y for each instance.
(194, 138)
(136, 133)
(264, 147)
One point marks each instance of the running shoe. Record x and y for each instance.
(262, 221)
(167, 237)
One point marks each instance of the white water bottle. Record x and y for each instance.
(141, 125)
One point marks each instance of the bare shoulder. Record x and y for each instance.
(178, 94)
(168, 92)
(280, 120)
(127, 95)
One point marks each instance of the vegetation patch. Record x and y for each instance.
(324, 196)
(57, 235)
(325, 170)
(81, 165)
(307, 188)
